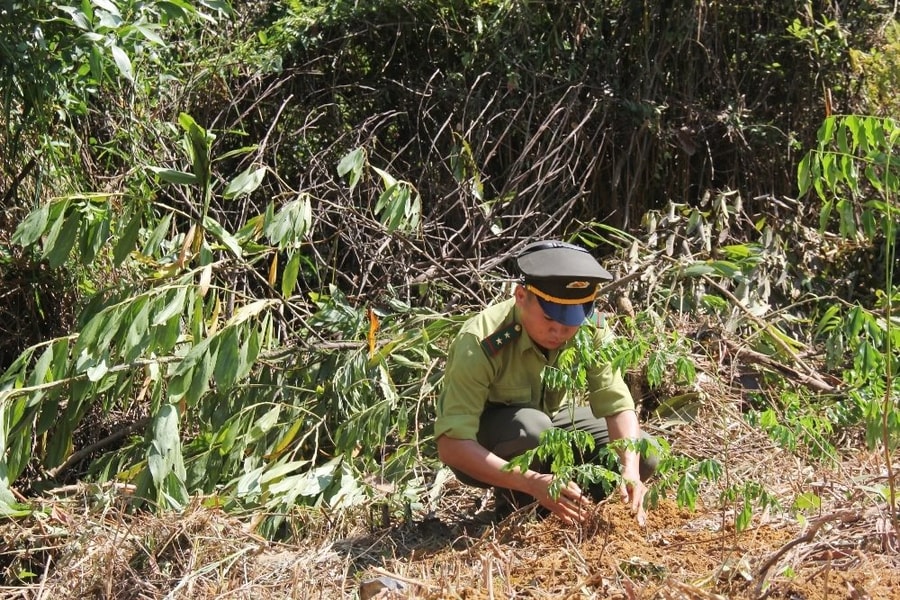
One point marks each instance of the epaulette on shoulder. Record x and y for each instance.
(501, 338)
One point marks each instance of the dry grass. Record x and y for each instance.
(86, 544)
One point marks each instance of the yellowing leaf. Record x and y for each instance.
(373, 329)
(205, 278)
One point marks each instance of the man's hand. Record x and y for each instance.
(572, 505)
(633, 492)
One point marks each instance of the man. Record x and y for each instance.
(494, 405)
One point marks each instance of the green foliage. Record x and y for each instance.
(802, 422)
(258, 314)
(855, 171)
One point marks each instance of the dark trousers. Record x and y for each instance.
(509, 431)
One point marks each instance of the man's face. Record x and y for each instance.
(542, 330)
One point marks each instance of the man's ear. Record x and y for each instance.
(521, 294)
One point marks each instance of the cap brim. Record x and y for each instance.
(571, 315)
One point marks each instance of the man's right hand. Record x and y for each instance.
(572, 505)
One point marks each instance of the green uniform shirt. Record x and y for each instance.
(493, 360)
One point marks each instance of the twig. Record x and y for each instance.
(810, 381)
(843, 515)
(87, 450)
(811, 374)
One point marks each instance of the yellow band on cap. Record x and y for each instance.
(549, 298)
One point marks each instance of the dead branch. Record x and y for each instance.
(845, 516)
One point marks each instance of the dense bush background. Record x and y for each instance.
(236, 239)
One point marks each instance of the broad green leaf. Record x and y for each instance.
(248, 353)
(78, 17)
(352, 163)
(57, 247)
(200, 378)
(743, 518)
(698, 269)
(166, 336)
(249, 483)
(49, 412)
(164, 455)
(127, 242)
(97, 371)
(808, 501)
(158, 235)
(110, 326)
(32, 228)
(288, 227)
(149, 31)
(227, 358)
(183, 375)
(289, 277)
(386, 178)
(245, 183)
(198, 143)
(223, 236)
(174, 305)
(93, 237)
(176, 177)
(137, 335)
(42, 366)
(108, 6)
(219, 5)
(59, 443)
(263, 424)
(278, 472)
(122, 62)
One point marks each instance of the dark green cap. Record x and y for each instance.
(564, 277)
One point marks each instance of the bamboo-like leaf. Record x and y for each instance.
(42, 366)
(247, 354)
(250, 310)
(227, 357)
(32, 228)
(58, 248)
(287, 438)
(166, 336)
(158, 235)
(249, 484)
(224, 236)
(352, 164)
(174, 305)
(174, 176)
(164, 456)
(265, 423)
(200, 378)
(289, 277)
(137, 334)
(127, 242)
(245, 183)
(123, 63)
(181, 381)
(289, 226)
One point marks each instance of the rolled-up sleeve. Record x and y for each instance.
(607, 391)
